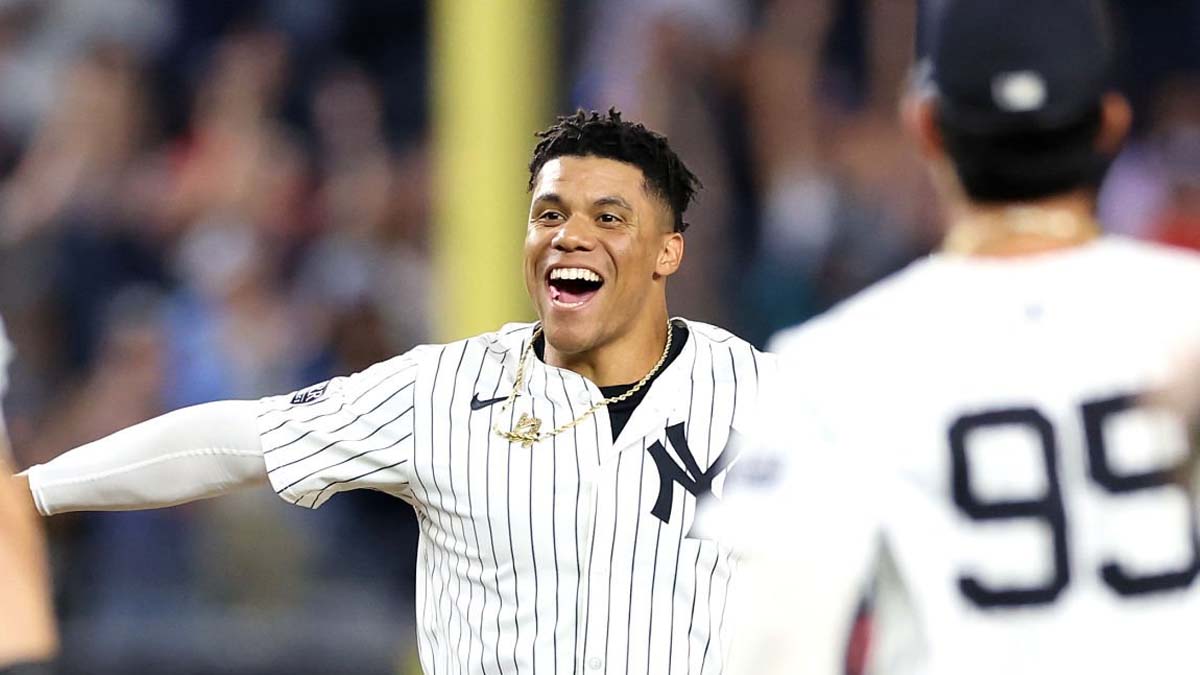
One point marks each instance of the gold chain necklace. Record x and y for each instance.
(528, 429)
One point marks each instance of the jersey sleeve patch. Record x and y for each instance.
(348, 433)
(310, 395)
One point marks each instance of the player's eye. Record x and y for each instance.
(550, 217)
(609, 218)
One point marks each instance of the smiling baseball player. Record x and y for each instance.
(554, 467)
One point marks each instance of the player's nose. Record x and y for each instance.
(575, 235)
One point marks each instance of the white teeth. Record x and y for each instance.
(572, 273)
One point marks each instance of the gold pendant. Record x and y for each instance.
(526, 431)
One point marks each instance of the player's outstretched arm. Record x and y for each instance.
(193, 453)
(27, 631)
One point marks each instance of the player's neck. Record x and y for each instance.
(624, 360)
(1022, 228)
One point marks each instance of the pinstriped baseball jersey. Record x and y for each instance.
(571, 556)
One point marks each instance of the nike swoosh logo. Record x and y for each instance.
(477, 404)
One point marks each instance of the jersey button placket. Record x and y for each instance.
(595, 663)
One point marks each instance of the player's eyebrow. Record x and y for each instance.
(613, 200)
(549, 198)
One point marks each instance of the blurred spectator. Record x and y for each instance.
(237, 202)
(367, 272)
(674, 65)
(40, 39)
(843, 199)
(1153, 190)
(1176, 137)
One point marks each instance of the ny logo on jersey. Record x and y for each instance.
(689, 476)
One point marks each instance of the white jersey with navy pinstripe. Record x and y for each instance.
(572, 556)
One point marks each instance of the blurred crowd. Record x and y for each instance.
(206, 201)
(225, 199)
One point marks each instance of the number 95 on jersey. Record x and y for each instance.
(1048, 520)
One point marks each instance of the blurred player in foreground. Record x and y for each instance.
(554, 467)
(27, 634)
(967, 439)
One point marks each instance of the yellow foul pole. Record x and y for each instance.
(493, 80)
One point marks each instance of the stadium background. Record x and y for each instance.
(223, 199)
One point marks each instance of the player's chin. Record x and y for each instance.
(570, 331)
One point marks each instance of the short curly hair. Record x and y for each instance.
(594, 134)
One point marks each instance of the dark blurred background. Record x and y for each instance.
(233, 198)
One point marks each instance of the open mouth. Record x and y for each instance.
(573, 286)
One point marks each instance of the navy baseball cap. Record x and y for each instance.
(1017, 65)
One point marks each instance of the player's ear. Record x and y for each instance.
(920, 117)
(1114, 125)
(670, 255)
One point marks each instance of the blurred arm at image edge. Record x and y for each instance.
(27, 631)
